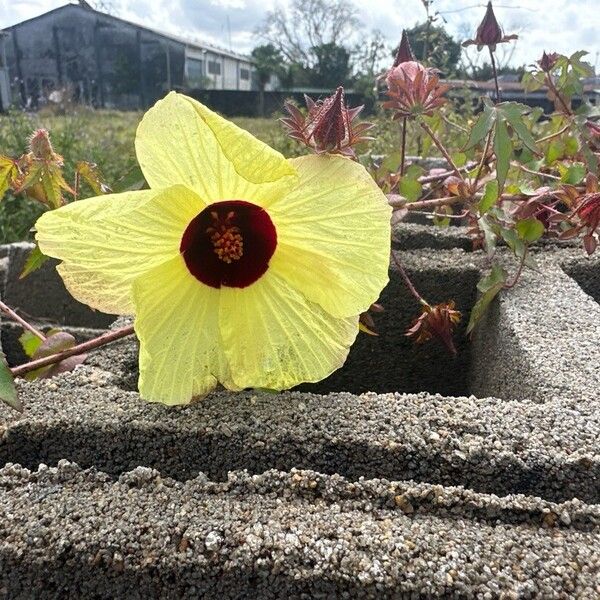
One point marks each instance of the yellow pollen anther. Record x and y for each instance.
(227, 240)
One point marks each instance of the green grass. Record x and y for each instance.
(107, 139)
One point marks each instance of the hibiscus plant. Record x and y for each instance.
(245, 269)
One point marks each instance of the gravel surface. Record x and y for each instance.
(489, 445)
(540, 340)
(285, 535)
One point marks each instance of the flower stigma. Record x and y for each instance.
(229, 243)
(226, 238)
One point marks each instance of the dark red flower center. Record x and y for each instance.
(229, 243)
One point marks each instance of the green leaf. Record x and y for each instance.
(574, 174)
(503, 151)
(8, 390)
(33, 262)
(460, 159)
(30, 343)
(8, 174)
(555, 151)
(490, 197)
(482, 126)
(513, 113)
(411, 189)
(530, 230)
(133, 180)
(489, 287)
(91, 175)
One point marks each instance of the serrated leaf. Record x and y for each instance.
(482, 126)
(489, 287)
(573, 174)
(33, 262)
(411, 189)
(503, 151)
(530, 230)
(8, 174)
(490, 196)
(8, 390)
(30, 343)
(513, 113)
(91, 175)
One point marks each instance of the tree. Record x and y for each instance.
(268, 61)
(332, 67)
(307, 26)
(442, 51)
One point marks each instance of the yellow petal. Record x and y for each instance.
(181, 141)
(333, 235)
(108, 241)
(274, 338)
(181, 354)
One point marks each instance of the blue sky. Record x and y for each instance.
(560, 25)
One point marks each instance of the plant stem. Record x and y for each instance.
(532, 172)
(557, 95)
(105, 338)
(508, 286)
(553, 135)
(22, 322)
(432, 178)
(409, 284)
(495, 74)
(442, 149)
(403, 149)
(482, 162)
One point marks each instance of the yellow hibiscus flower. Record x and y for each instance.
(240, 267)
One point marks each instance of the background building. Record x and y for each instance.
(105, 61)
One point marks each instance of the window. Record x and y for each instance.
(245, 74)
(195, 70)
(214, 68)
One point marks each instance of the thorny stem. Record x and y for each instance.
(409, 284)
(495, 74)
(403, 150)
(443, 150)
(482, 162)
(557, 94)
(105, 338)
(7, 310)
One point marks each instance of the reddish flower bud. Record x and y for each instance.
(436, 321)
(489, 33)
(328, 126)
(414, 90)
(404, 52)
(547, 62)
(40, 145)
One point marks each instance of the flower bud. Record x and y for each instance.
(404, 52)
(436, 321)
(489, 33)
(547, 62)
(328, 126)
(40, 145)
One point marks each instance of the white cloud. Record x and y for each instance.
(555, 25)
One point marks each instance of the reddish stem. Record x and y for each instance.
(7, 310)
(409, 284)
(105, 338)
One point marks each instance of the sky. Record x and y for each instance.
(553, 25)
